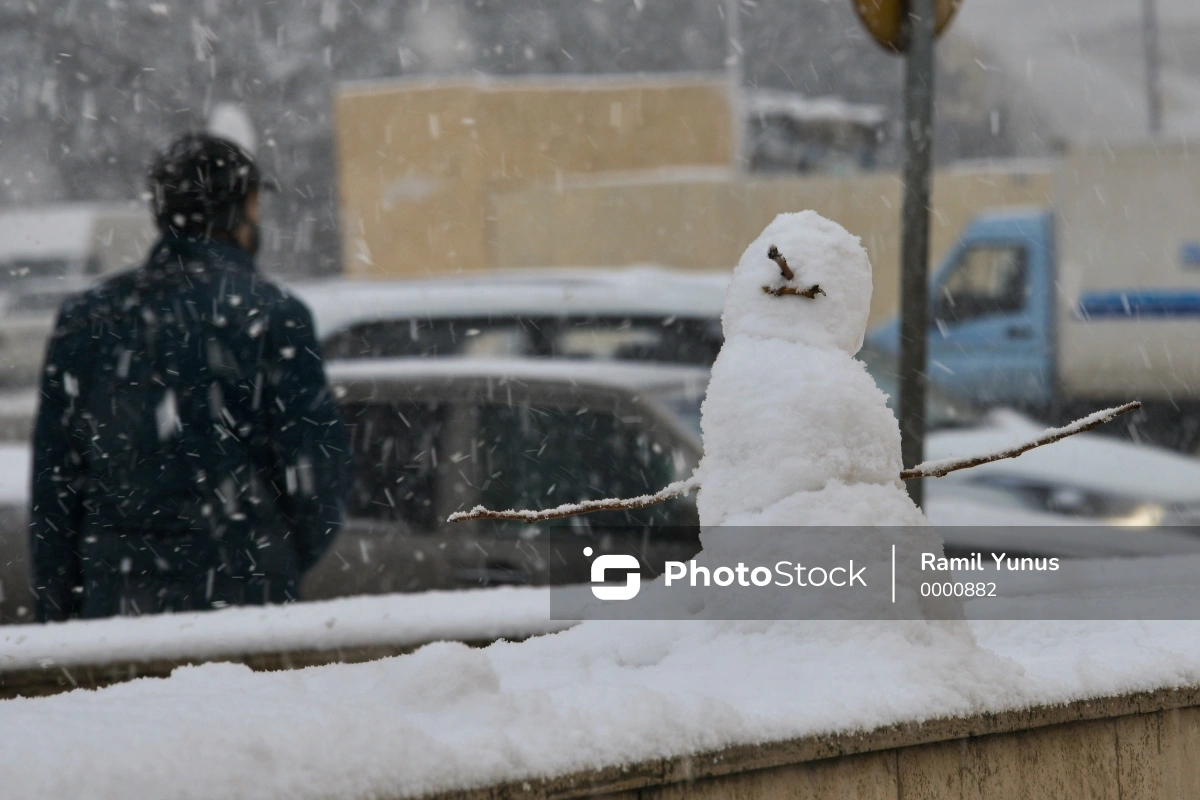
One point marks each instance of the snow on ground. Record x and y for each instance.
(602, 693)
(397, 619)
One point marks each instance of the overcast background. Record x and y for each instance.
(90, 87)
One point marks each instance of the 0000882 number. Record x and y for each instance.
(956, 589)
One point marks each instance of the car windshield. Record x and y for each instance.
(685, 406)
(530, 458)
(623, 338)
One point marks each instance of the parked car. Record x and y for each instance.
(48, 253)
(641, 314)
(433, 436)
(1087, 477)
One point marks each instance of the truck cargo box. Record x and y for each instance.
(1128, 279)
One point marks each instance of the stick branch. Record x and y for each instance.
(944, 466)
(668, 492)
(929, 469)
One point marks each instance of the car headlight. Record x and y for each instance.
(1076, 501)
(1144, 515)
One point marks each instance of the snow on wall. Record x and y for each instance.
(397, 619)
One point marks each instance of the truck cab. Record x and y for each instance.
(992, 311)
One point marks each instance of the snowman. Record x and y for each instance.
(796, 433)
(795, 430)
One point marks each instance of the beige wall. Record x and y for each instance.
(698, 221)
(417, 161)
(438, 177)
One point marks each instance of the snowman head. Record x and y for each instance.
(805, 280)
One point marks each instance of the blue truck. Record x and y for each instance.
(1091, 301)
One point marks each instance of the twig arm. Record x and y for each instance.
(944, 466)
(668, 492)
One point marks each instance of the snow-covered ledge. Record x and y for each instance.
(47, 659)
(1138, 745)
(896, 709)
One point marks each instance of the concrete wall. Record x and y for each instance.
(703, 220)
(1132, 747)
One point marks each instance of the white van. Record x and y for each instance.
(49, 252)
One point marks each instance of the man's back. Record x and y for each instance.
(187, 450)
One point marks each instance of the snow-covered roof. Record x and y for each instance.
(650, 291)
(803, 109)
(653, 377)
(574, 81)
(58, 230)
(1088, 461)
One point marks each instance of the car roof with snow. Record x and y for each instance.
(1088, 461)
(539, 293)
(637, 376)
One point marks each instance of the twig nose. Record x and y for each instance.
(774, 254)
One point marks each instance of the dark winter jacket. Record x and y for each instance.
(187, 452)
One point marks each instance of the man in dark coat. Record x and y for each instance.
(187, 451)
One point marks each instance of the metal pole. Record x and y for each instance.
(1150, 50)
(914, 243)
